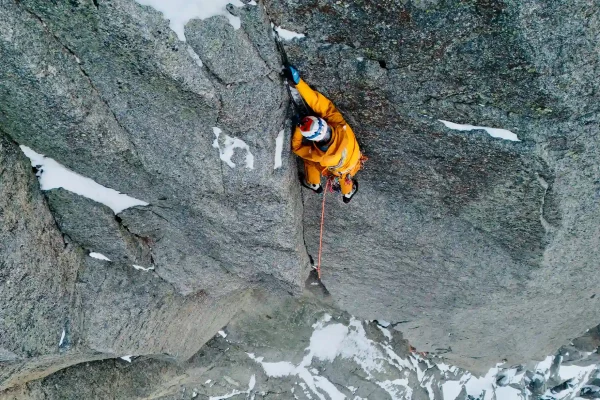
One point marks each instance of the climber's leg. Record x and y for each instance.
(312, 176)
(349, 185)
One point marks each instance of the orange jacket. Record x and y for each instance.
(343, 153)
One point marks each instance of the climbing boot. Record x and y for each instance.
(315, 187)
(349, 196)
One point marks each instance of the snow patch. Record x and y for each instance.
(544, 366)
(385, 332)
(99, 256)
(574, 371)
(53, 175)
(251, 385)
(139, 267)
(180, 12)
(493, 132)
(447, 368)
(332, 340)
(278, 149)
(451, 389)
(222, 334)
(62, 338)
(126, 358)
(287, 34)
(398, 389)
(485, 387)
(229, 146)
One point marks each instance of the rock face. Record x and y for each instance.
(96, 228)
(62, 307)
(38, 273)
(305, 350)
(476, 248)
(471, 243)
(107, 90)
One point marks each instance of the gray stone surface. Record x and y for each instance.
(227, 52)
(276, 331)
(38, 273)
(107, 89)
(62, 308)
(136, 113)
(95, 228)
(471, 243)
(478, 249)
(126, 311)
(282, 332)
(112, 309)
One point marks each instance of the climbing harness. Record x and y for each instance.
(327, 188)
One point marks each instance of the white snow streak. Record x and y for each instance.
(229, 146)
(385, 332)
(278, 149)
(62, 338)
(53, 175)
(99, 256)
(392, 388)
(139, 267)
(288, 35)
(222, 334)
(180, 12)
(126, 358)
(493, 132)
(251, 385)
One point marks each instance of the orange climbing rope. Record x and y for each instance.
(327, 186)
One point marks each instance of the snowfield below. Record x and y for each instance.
(384, 366)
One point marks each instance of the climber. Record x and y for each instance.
(325, 141)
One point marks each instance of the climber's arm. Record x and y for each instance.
(298, 147)
(320, 104)
(296, 140)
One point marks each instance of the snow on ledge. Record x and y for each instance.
(288, 35)
(493, 132)
(180, 12)
(99, 256)
(53, 175)
(230, 145)
(278, 149)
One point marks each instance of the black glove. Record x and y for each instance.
(292, 74)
